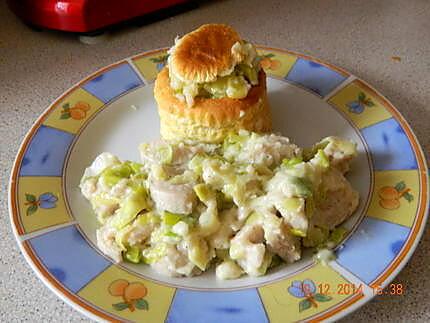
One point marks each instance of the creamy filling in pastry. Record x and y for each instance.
(233, 83)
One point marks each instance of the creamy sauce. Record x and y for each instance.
(239, 205)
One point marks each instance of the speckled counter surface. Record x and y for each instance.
(361, 36)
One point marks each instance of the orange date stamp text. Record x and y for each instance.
(351, 289)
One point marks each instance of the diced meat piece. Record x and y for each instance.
(175, 263)
(89, 187)
(267, 150)
(102, 161)
(105, 210)
(106, 243)
(173, 198)
(280, 241)
(138, 234)
(121, 189)
(181, 153)
(340, 202)
(248, 249)
(228, 269)
(340, 152)
(295, 218)
(229, 225)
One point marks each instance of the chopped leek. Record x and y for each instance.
(245, 203)
(298, 232)
(133, 254)
(208, 221)
(204, 193)
(292, 204)
(171, 218)
(195, 164)
(164, 154)
(114, 174)
(198, 252)
(292, 161)
(130, 208)
(267, 260)
(302, 185)
(154, 254)
(254, 218)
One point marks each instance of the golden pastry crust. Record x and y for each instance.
(210, 120)
(205, 53)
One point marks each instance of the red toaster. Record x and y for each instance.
(86, 16)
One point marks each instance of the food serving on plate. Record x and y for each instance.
(211, 191)
(212, 85)
(244, 205)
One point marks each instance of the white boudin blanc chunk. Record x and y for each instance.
(296, 218)
(229, 225)
(88, 187)
(104, 198)
(254, 259)
(267, 150)
(181, 153)
(99, 164)
(280, 241)
(228, 269)
(121, 189)
(106, 242)
(139, 233)
(175, 263)
(340, 202)
(181, 228)
(173, 198)
(105, 210)
(248, 249)
(340, 152)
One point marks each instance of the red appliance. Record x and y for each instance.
(85, 16)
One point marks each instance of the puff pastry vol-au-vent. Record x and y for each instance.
(212, 85)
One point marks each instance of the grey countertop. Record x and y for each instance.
(360, 36)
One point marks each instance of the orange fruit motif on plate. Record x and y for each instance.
(82, 105)
(132, 295)
(389, 196)
(135, 291)
(388, 193)
(390, 204)
(265, 63)
(268, 62)
(77, 114)
(117, 287)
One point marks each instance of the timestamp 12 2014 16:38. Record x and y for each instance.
(350, 289)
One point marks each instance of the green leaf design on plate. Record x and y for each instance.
(369, 103)
(408, 197)
(361, 96)
(30, 197)
(31, 209)
(322, 298)
(400, 186)
(304, 305)
(159, 59)
(65, 115)
(270, 55)
(120, 306)
(142, 304)
(66, 106)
